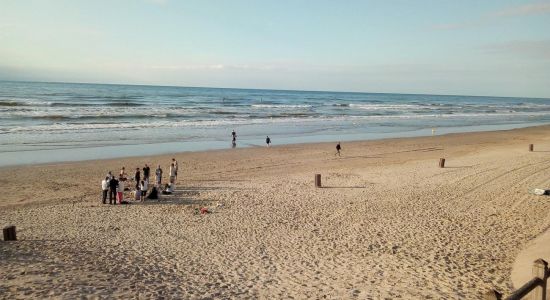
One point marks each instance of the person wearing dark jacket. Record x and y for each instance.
(113, 184)
(137, 177)
(146, 171)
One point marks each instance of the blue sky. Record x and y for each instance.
(438, 47)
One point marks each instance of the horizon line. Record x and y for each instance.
(264, 89)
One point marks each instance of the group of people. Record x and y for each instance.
(114, 187)
(234, 140)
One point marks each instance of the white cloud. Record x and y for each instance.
(494, 16)
(524, 10)
(533, 49)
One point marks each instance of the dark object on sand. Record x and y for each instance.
(9, 233)
(531, 147)
(318, 180)
(154, 194)
(442, 163)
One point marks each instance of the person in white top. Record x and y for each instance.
(144, 186)
(120, 190)
(105, 188)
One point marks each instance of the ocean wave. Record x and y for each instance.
(296, 119)
(12, 103)
(281, 105)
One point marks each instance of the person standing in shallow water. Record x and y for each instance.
(234, 139)
(338, 148)
(268, 141)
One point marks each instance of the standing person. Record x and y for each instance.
(175, 162)
(105, 188)
(146, 171)
(173, 173)
(233, 138)
(110, 175)
(144, 186)
(120, 192)
(338, 148)
(113, 184)
(122, 173)
(158, 172)
(137, 177)
(268, 141)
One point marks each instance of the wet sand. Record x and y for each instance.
(388, 222)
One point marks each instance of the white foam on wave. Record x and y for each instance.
(76, 127)
(281, 106)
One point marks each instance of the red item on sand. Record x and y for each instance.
(204, 210)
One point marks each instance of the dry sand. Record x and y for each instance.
(387, 224)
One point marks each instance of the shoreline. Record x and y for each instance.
(218, 146)
(387, 223)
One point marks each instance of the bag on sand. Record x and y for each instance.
(539, 192)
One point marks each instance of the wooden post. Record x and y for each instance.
(9, 233)
(442, 163)
(492, 295)
(318, 180)
(531, 147)
(540, 267)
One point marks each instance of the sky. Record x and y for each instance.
(467, 47)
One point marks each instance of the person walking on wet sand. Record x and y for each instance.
(234, 138)
(338, 148)
(268, 141)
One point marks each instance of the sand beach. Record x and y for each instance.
(388, 223)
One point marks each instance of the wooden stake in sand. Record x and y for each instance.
(9, 233)
(442, 163)
(540, 270)
(318, 180)
(531, 147)
(492, 295)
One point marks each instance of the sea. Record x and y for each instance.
(56, 122)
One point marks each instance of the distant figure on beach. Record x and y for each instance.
(173, 173)
(113, 184)
(158, 173)
(234, 138)
(143, 188)
(120, 191)
(137, 194)
(175, 162)
(146, 171)
(105, 188)
(137, 177)
(122, 173)
(338, 148)
(268, 141)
